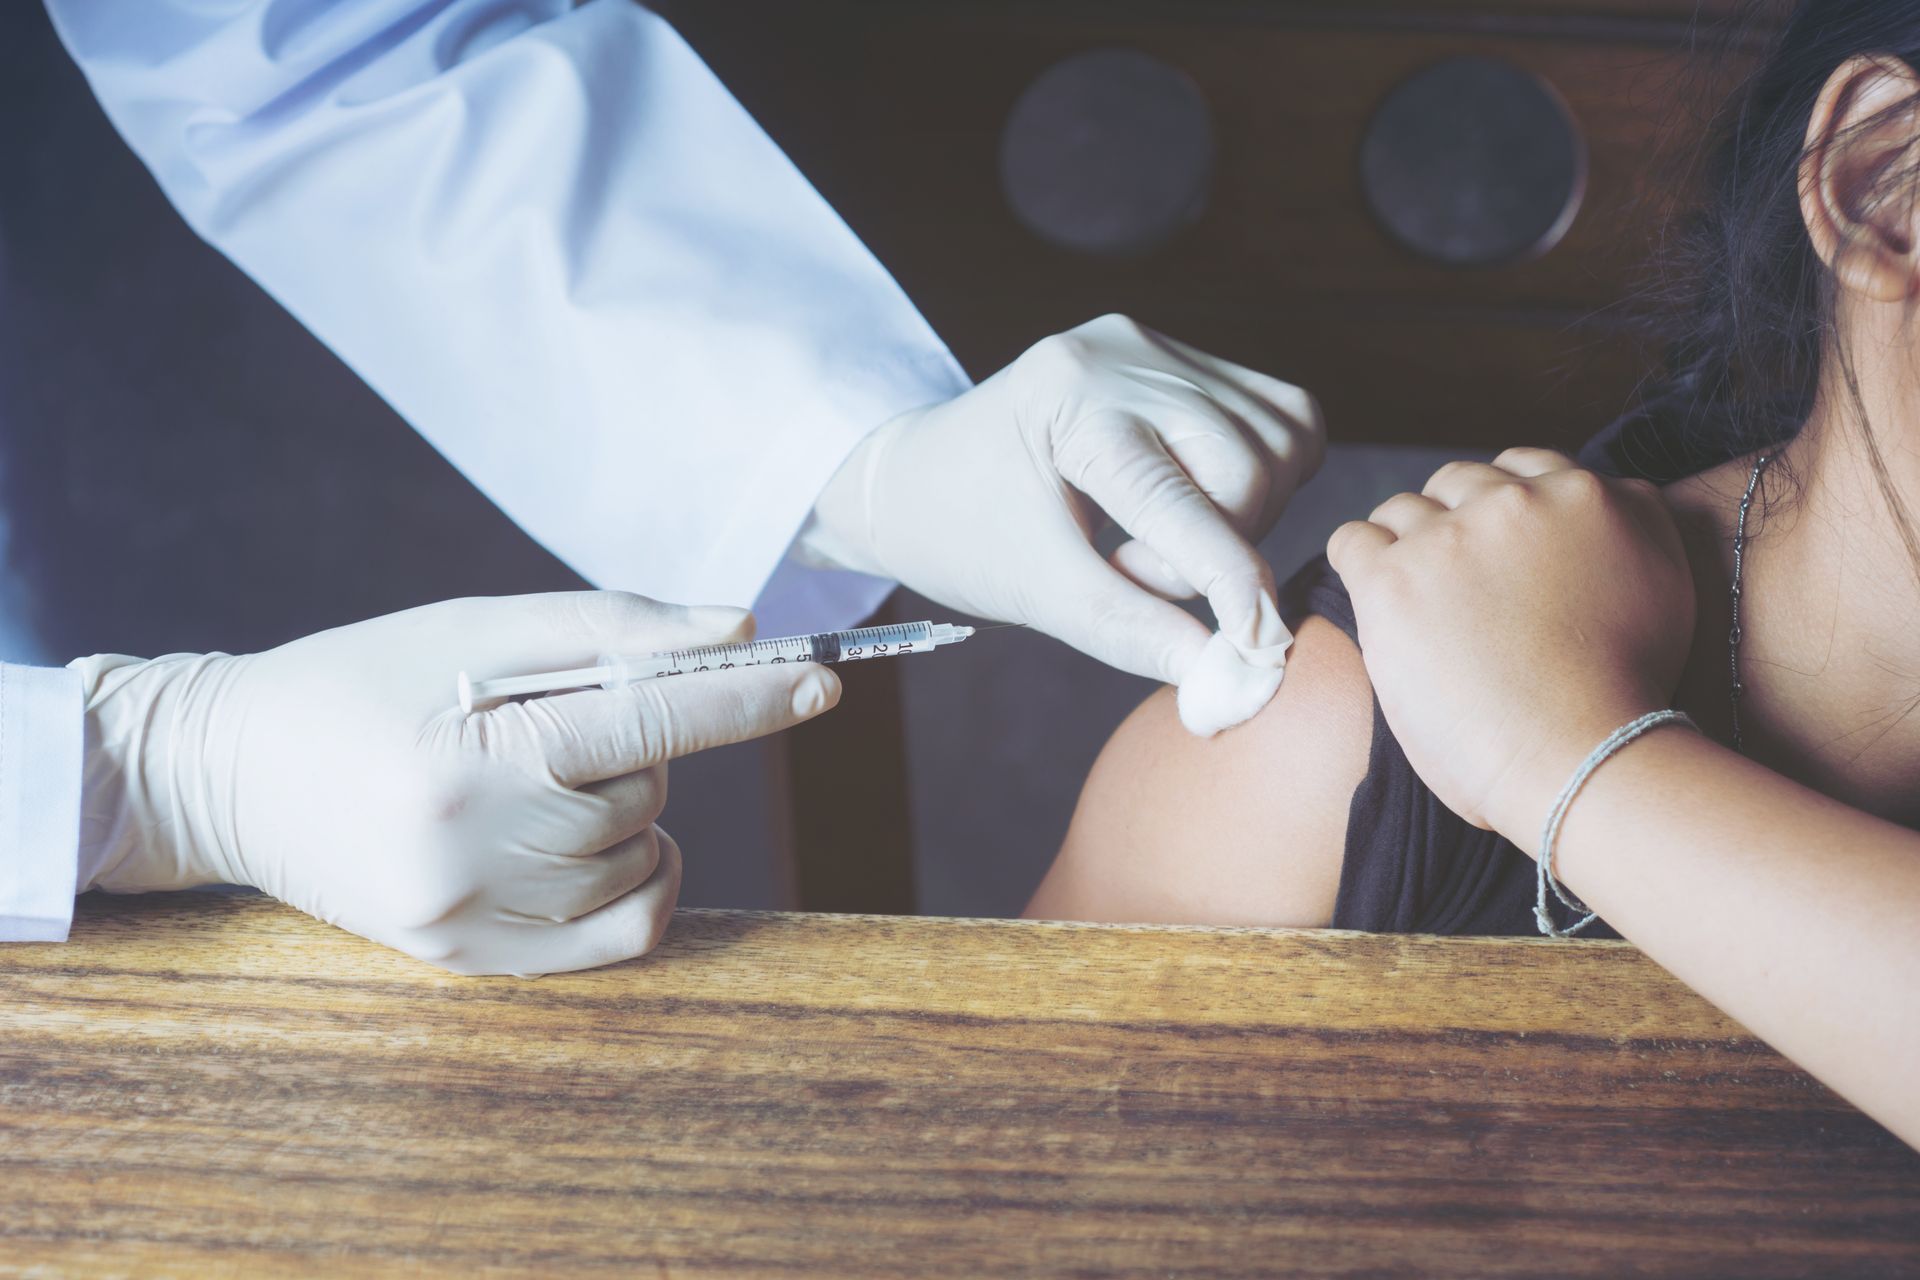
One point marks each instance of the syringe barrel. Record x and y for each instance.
(886, 641)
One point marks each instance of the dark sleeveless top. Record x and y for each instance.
(1412, 865)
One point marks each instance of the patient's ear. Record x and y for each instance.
(1858, 180)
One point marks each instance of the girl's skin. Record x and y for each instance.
(1516, 614)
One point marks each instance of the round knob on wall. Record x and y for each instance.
(1108, 152)
(1474, 162)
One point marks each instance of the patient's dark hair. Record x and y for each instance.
(1744, 305)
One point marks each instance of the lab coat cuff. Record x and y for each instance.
(42, 741)
(802, 596)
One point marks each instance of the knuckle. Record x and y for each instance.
(1513, 500)
(1382, 588)
(1131, 483)
(1587, 487)
(626, 607)
(437, 948)
(1057, 356)
(430, 886)
(1114, 324)
(598, 612)
(1230, 470)
(1403, 579)
(1386, 509)
(654, 727)
(1344, 539)
(1522, 455)
(1307, 409)
(593, 615)
(1243, 491)
(510, 740)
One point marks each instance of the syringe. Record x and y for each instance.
(617, 671)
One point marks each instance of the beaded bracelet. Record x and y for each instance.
(1598, 756)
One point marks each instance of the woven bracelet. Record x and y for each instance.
(1598, 756)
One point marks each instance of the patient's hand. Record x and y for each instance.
(1245, 828)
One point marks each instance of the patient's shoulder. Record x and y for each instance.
(1248, 827)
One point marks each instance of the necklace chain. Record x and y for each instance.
(1733, 632)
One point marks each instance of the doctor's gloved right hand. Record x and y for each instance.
(336, 774)
(989, 502)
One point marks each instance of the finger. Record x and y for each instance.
(604, 733)
(1112, 619)
(1123, 466)
(515, 635)
(1460, 481)
(616, 808)
(1181, 404)
(1144, 566)
(1247, 441)
(1528, 461)
(1405, 513)
(1235, 474)
(627, 926)
(1355, 547)
(1286, 420)
(566, 886)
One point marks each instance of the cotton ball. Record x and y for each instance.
(1221, 689)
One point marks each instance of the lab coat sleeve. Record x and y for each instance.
(553, 242)
(41, 743)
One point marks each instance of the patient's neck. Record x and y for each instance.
(1830, 613)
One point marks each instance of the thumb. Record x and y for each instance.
(513, 635)
(608, 733)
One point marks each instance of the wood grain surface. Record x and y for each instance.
(220, 1086)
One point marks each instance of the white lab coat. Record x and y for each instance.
(551, 239)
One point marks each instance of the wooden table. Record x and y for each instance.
(200, 1085)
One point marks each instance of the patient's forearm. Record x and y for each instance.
(1791, 911)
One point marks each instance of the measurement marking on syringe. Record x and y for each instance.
(613, 672)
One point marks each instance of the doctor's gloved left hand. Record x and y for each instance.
(989, 502)
(336, 774)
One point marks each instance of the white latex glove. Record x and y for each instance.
(989, 502)
(336, 774)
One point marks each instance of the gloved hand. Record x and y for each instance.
(989, 502)
(336, 774)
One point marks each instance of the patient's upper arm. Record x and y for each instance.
(1248, 827)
